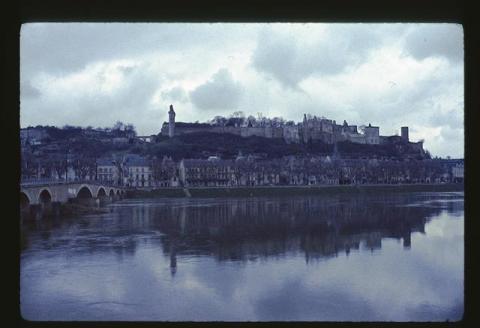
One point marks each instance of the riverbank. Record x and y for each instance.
(290, 190)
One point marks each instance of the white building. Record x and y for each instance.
(457, 173)
(137, 172)
(107, 171)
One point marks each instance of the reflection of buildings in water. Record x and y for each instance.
(407, 242)
(243, 228)
(240, 229)
(173, 257)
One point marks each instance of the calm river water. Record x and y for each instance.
(394, 257)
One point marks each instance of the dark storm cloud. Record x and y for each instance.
(61, 48)
(433, 40)
(131, 99)
(176, 94)
(289, 60)
(278, 57)
(128, 101)
(220, 92)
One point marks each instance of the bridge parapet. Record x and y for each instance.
(48, 182)
(62, 191)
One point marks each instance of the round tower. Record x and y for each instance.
(171, 122)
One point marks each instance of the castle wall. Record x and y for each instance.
(350, 129)
(253, 131)
(291, 134)
(383, 140)
(231, 129)
(277, 132)
(312, 129)
(268, 132)
(164, 130)
(372, 135)
(418, 146)
(326, 126)
(357, 138)
(185, 130)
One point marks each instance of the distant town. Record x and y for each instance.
(231, 151)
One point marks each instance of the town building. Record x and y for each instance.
(108, 171)
(166, 173)
(212, 172)
(137, 172)
(457, 172)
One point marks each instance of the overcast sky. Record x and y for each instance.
(388, 75)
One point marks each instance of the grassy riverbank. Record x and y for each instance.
(291, 190)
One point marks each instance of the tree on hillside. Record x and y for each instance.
(130, 130)
(236, 119)
(118, 126)
(278, 121)
(219, 120)
(251, 120)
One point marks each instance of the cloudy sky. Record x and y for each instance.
(389, 75)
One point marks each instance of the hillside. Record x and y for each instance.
(94, 144)
(204, 144)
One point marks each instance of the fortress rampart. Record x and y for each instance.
(312, 128)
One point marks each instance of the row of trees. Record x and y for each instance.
(55, 166)
(119, 129)
(240, 119)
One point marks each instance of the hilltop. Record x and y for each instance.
(225, 145)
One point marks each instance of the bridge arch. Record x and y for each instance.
(84, 192)
(118, 192)
(45, 196)
(111, 193)
(101, 192)
(24, 200)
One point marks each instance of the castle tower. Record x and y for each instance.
(171, 122)
(405, 133)
(305, 129)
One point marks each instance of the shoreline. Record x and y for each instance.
(199, 192)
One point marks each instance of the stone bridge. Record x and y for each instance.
(38, 193)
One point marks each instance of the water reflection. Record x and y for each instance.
(244, 231)
(319, 227)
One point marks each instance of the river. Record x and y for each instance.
(388, 257)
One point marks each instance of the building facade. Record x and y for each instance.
(108, 171)
(137, 172)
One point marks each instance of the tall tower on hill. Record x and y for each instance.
(404, 130)
(171, 122)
